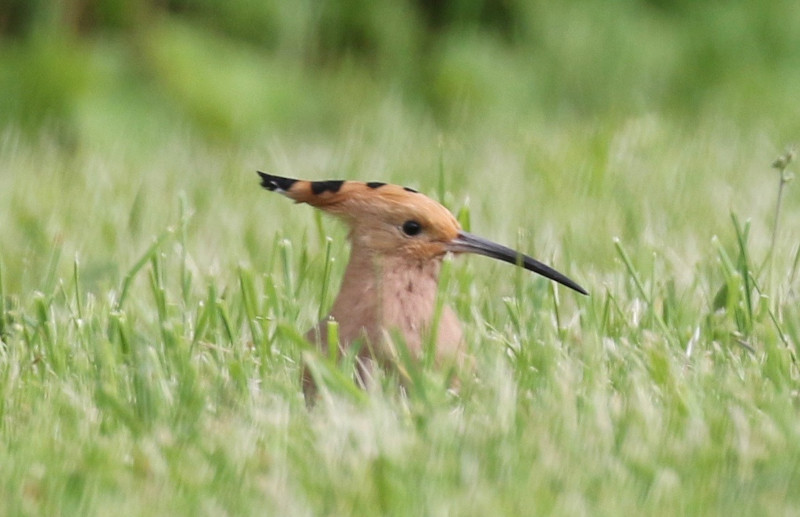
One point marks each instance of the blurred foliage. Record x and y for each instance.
(229, 69)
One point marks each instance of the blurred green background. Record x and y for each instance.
(243, 69)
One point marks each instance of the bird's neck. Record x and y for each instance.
(383, 293)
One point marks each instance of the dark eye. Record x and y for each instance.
(412, 228)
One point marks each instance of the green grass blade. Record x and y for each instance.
(286, 262)
(744, 268)
(3, 315)
(76, 285)
(326, 279)
(251, 308)
(139, 264)
(631, 270)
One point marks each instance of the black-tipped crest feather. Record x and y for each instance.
(273, 183)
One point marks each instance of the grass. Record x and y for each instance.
(151, 327)
(153, 297)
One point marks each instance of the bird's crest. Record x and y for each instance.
(328, 193)
(356, 199)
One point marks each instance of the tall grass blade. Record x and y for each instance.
(286, 261)
(77, 286)
(139, 264)
(3, 314)
(332, 329)
(251, 308)
(46, 329)
(556, 308)
(668, 333)
(159, 290)
(222, 312)
(326, 279)
(631, 270)
(743, 265)
(185, 273)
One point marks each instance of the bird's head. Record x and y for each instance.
(398, 221)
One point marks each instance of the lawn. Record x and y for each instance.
(153, 297)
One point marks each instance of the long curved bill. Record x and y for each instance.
(469, 243)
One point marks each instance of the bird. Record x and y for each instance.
(398, 238)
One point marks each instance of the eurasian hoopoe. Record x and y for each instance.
(398, 239)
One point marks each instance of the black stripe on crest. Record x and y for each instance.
(375, 184)
(318, 187)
